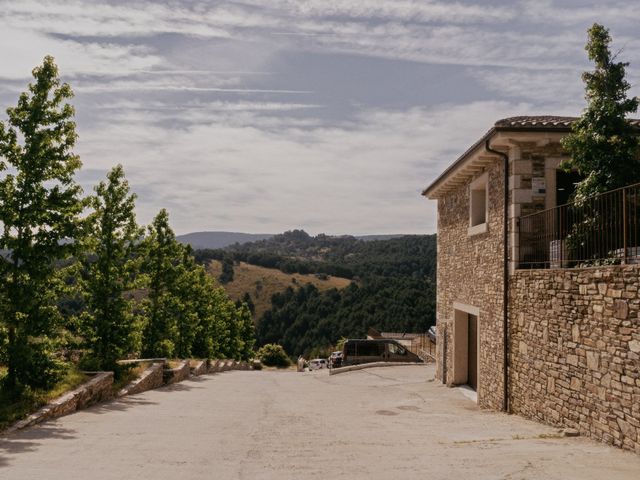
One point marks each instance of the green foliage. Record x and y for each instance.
(273, 355)
(306, 318)
(603, 145)
(347, 257)
(110, 269)
(227, 270)
(394, 288)
(163, 259)
(13, 407)
(186, 314)
(246, 332)
(40, 210)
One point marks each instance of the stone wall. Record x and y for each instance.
(174, 375)
(575, 350)
(149, 379)
(199, 367)
(470, 271)
(95, 390)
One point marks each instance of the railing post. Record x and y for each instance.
(624, 226)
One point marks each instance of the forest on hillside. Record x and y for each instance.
(393, 287)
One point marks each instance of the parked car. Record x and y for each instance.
(318, 363)
(335, 359)
(431, 333)
(356, 352)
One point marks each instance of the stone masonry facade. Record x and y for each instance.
(575, 350)
(470, 271)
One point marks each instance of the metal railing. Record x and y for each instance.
(599, 230)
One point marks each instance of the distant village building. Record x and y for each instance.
(515, 320)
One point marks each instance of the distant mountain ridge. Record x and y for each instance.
(202, 240)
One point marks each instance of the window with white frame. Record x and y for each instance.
(478, 205)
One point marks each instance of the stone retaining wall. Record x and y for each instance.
(199, 367)
(575, 350)
(149, 379)
(97, 389)
(174, 375)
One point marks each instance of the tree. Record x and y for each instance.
(603, 145)
(227, 270)
(110, 269)
(246, 331)
(163, 260)
(273, 355)
(40, 211)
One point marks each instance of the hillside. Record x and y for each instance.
(202, 240)
(394, 288)
(262, 283)
(345, 256)
(199, 240)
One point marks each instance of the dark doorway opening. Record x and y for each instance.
(566, 185)
(472, 369)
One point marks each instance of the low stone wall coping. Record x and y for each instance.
(96, 389)
(174, 375)
(199, 368)
(149, 379)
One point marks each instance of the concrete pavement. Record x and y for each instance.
(382, 423)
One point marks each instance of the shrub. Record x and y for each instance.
(273, 355)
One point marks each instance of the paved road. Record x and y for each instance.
(383, 423)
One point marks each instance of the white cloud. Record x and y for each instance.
(365, 176)
(22, 50)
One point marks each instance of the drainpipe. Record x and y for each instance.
(505, 277)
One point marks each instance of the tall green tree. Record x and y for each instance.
(246, 331)
(40, 209)
(209, 329)
(603, 145)
(110, 269)
(164, 256)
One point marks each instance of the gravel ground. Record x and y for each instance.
(382, 423)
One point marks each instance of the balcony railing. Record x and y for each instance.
(600, 230)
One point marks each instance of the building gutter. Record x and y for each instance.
(505, 275)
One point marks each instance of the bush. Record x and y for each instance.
(273, 355)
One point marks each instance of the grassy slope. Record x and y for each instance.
(12, 410)
(262, 283)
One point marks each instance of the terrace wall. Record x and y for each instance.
(575, 350)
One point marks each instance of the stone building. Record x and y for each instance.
(549, 342)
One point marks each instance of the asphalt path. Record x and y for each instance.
(384, 423)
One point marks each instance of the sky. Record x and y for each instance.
(329, 115)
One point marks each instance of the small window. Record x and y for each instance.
(478, 207)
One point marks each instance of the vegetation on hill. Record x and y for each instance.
(394, 287)
(256, 285)
(346, 256)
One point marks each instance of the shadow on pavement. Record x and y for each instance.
(28, 440)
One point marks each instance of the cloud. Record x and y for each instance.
(326, 114)
(363, 176)
(28, 48)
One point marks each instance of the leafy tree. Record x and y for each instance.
(164, 257)
(246, 331)
(273, 355)
(246, 298)
(227, 270)
(110, 270)
(209, 329)
(40, 209)
(188, 290)
(603, 145)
